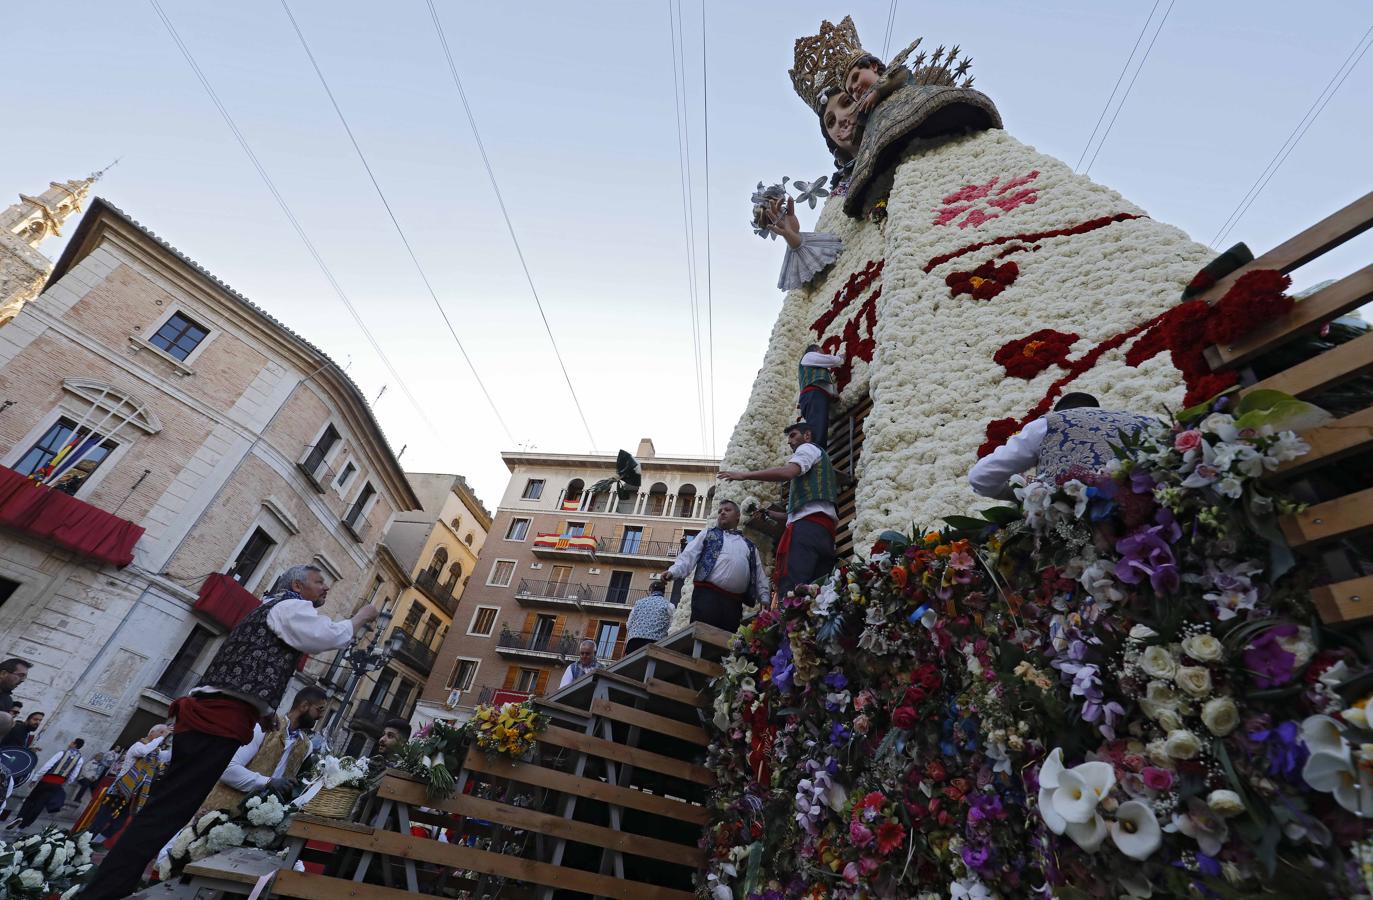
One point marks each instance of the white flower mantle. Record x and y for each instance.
(934, 383)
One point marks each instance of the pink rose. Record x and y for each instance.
(1133, 761)
(861, 724)
(1187, 440)
(860, 834)
(1157, 779)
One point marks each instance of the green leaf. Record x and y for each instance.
(1001, 515)
(755, 864)
(966, 523)
(1266, 407)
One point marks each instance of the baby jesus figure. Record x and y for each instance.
(868, 81)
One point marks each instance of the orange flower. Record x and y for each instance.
(898, 575)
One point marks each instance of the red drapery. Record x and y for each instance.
(49, 514)
(225, 600)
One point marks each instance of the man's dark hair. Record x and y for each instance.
(13, 663)
(866, 62)
(16, 706)
(402, 727)
(798, 426)
(311, 693)
(1076, 400)
(812, 348)
(730, 502)
(38, 714)
(79, 743)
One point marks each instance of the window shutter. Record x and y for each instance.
(562, 527)
(619, 536)
(586, 530)
(648, 534)
(557, 632)
(620, 645)
(542, 684)
(510, 675)
(529, 623)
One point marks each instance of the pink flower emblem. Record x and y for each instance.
(978, 204)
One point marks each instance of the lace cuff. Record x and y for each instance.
(818, 249)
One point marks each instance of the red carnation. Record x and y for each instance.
(984, 282)
(1208, 386)
(936, 772)
(914, 695)
(999, 431)
(1154, 342)
(904, 717)
(1028, 356)
(1254, 299)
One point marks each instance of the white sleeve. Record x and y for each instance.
(991, 475)
(566, 679)
(818, 249)
(685, 563)
(762, 587)
(805, 456)
(43, 769)
(825, 360)
(298, 623)
(237, 775)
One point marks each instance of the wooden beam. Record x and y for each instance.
(709, 634)
(690, 663)
(633, 756)
(308, 886)
(1345, 601)
(1307, 315)
(590, 788)
(1320, 372)
(675, 692)
(1324, 236)
(619, 712)
(405, 846)
(1331, 519)
(1331, 443)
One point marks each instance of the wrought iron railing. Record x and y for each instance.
(552, 590)
(442, 594)
(413, 652)
(539, 642)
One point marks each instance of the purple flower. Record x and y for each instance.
(975, 856)
(836, 681)
(783, 668)
(1268, 663)
(838, 734)
(1147, 552)
(1285, 752)
(1141, 482)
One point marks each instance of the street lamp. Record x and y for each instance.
(360, 661)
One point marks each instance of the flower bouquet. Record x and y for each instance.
(259, 821)
(341, 779)
(510, 730)
(51, 863)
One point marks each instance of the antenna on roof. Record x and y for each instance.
(99, 172)
(379, 393)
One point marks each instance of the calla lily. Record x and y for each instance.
(1322, 734)
(1337, 775)
(1136, 831)
(1088, 835)
(1049, 774)
(1051, 769)
(1074, 798)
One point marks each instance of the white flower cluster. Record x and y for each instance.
(342, 771)
(47, 863)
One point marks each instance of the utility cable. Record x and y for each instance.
(394, 221)
(1129, 87)
(490, 174)
(891, 21)
(1115, 87)
(710, 300)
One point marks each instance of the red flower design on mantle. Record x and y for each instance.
(857, 335)
(981, 202)
(1028, 356)
(984, 282)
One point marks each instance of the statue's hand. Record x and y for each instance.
(784, 222)
(867, 101)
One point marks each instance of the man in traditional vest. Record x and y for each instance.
(584, 664)
(805, 554)
(244, 682)
(815, 376)
(727, 572)
(272, 759)
(1073, 441)
(61, 769)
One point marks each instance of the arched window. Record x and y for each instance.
(710, 502)
(657, 500)
(468, 540)
(454, 573)
(572, 496)
(439, 561)
(686, 501)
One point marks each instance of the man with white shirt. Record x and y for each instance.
(244, 682)
(272, 759)
(60, 770)
(584, 664)
(815, 377)
(727, 572)
(805, 554)
(1073, 441)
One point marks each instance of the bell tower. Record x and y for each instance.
(23, 226)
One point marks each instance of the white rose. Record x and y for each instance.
(1203, 648)
(1158, 696)
(1168, 720)
(1220, 715)
(1225, 803)
(1157, 662)
(31, 879)
(1142, 633)
(1158, 754)
(1194, 680)
(1182, 744)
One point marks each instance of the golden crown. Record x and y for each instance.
(822, 59)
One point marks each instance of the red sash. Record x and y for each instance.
(719, 590)
(784, 545)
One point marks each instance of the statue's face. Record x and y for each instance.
(840, 122)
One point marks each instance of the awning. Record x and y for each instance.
(225, 600)
(48, 514)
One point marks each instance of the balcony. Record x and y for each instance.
(369, 717)
(49, 515)
(639, 551)
(315, 469)
(551, 594)
(413, 652)
(612, 599)
(537, 645)
(493, 696)
(442, 594)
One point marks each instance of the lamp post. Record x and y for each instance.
(360, 661)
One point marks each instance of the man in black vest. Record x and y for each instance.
(244, 683)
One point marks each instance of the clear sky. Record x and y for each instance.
(575, 106)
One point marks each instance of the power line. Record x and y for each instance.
(710, 297)
(286, 210)
(394, 221)
(490, 174)
(891, 21)
(1119, 78)
(1312, 113)
(1126, 96)
(688, 219)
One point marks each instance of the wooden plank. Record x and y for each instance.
(1331, 519)
(544, 823)
(1320, 372)
(1307, 315)
(632, 756)
(590, 788)
(669, 691)
(1324, 236)
(1345, 601)
(709, 634)
(619, 712)
(1331, 443)
(406, 846)
(308, 886)
(243, 865)
(691, 663)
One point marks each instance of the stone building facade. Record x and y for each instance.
(222, 446)
(562, 564)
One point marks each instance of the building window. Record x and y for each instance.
(518, 530)
(483, 621)
(576, 529)
(543, 632)
(320, 450)
(431, 628)
(618, 592)
(463, 674)
(412, 617)
(468, 540)
(359, 507)
(438, 562)
(502, 571)
(533, 489)
(345, 475)
(572, 497)
(250, 558)
(454, 573)
(7, 589)
(403, 692)
(527, 681)
(606, 637)
(82, 457)
(176, 678)
(631, 539)
(179, 335)
(383, 686)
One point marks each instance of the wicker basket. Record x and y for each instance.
(333, 803)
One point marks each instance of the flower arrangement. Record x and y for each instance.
(260, 821)
(426, 756)
(51, 863)
(511, 729)
(342, 771)
(1116, 687)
